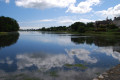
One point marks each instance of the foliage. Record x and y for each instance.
(76, 25)
(113, 26)
(81, 29)
(101, 30)
(8, 24)
(59, 28)
(90, 24)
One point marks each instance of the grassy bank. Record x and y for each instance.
(103, 33)
(92, 33)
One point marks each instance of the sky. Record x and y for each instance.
(47, 13)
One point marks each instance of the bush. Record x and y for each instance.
(101, 30)
(8, 24)
(81, 29)
(112, 26)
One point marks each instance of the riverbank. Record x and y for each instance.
(102, 33)
(112, 74)
(91, 33)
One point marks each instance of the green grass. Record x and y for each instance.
(76, 65)
(102, 33)
(93, 33)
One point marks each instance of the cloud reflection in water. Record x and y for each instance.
(109, 51)
(47, 61)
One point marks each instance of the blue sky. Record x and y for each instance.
(47, 13)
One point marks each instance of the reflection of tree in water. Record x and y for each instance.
(99, 41)
(8, 39)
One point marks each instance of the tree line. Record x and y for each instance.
(82, 27)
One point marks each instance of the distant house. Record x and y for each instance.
(103, 23)
(116, 21)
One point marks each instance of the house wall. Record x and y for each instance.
(117, 23)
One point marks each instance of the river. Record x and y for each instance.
(32, 55)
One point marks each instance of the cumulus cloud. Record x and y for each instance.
(110, 12)
(7, 1)
(83, 7)
(42, 4)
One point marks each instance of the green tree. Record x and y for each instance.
(81, 29)
(76, 25)
(112, 26)
(8, 24)
(90, 24)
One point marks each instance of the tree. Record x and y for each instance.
(112, 26)
(43, 29)
(90, 24)
(8, 24)
(75, 26)
(81, 29)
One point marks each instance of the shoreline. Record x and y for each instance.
(111, 74)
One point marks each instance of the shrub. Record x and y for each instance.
(81, 29)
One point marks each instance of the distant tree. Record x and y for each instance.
(90, 24)
(8, 24)
(112, 26)
(43, 29)
(81, 29)
(76, 25)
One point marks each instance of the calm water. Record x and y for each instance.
(55, 56)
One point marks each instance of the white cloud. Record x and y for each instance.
(110, 12)
(83, 7)
(42, 4)
(7, 1)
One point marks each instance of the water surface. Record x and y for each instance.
(56, 56)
